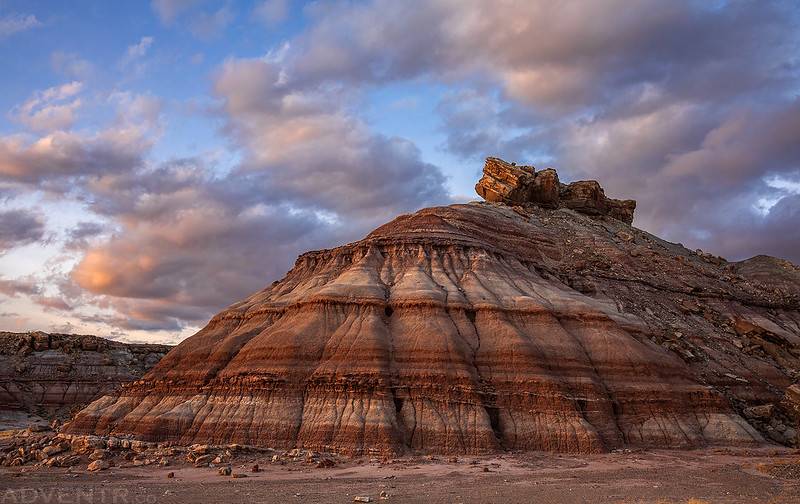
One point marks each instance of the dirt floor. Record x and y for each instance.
(713, 476)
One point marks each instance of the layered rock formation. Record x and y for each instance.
(483, 327)
(517, 185)
(48, 374)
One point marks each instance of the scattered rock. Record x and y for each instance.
(622, 235)
(98, 465)
(505, 183)
(203, 460)
(99, 454)
(224, 471)
(325, 463)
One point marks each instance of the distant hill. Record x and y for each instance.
(50, 374)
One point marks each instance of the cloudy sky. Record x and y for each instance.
(162, 160)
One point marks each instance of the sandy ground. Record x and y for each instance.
(713, 476)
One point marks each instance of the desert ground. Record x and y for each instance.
(657, 476)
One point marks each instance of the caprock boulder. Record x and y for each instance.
(543, 321)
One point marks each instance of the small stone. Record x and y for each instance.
(325, 463)
(51, 450)
(622, 235)
(362, 499)
(239, 475)
(203, 460)
(201, 450)
(224, 471)
(99, 454)
(170, 474)
(255, 468)
(98, 465)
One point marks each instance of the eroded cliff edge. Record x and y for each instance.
(483, 327)
(47, 375)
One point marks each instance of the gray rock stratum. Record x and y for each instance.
(483, 327)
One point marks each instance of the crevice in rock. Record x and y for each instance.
(494, 419)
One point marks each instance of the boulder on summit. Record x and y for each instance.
(517, 185)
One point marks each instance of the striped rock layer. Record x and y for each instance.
(478, 328)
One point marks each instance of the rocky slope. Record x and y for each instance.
(511, 325)
(49, 374)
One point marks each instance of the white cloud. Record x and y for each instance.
(139, 50)
(10, 25)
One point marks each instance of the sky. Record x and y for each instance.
(162, 160)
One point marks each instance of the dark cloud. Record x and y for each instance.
(19, 227)
(63, 154)
(86, 230)
(20, 286)
(191, 243)
(52, 303)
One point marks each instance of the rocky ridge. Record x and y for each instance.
(526, 324)
(48, 374)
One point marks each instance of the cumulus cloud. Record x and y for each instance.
(18, 228)
(186, 240)
(303, 146)
(64, 154)
(52, 109)
(190, 242)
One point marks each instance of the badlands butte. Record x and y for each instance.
(539, 319)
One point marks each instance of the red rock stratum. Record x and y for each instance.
(483, 327)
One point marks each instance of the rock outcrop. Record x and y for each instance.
(518, 185)
(483, 327)
(49, 374)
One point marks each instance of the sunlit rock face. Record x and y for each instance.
(479, 328)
